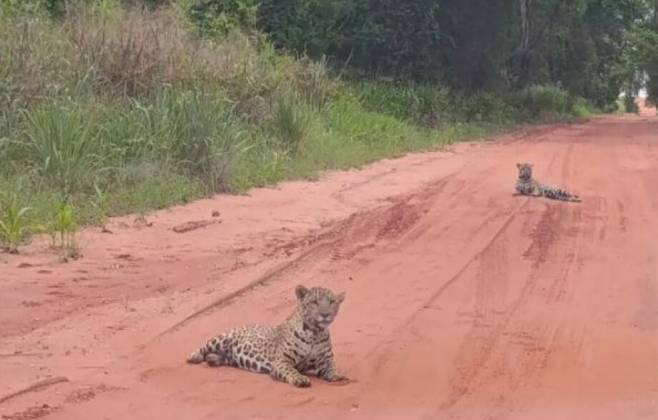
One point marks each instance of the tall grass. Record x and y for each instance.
(63, 146)
(550, 102)
(137, 51)
(292, 123)
(205, 137)
(427, 105)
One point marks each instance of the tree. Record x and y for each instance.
(473, 45)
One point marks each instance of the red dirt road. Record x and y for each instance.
(463, 301)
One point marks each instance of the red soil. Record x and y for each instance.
(463, 301)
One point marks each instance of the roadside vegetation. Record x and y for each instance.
(111, 107)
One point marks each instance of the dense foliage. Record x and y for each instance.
(580, 45)
(592, 48)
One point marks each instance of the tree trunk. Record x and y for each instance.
(525, 23)
(524, 48)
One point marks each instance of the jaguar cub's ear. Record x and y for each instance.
(300, 292)
(340, 298)
(518, 165)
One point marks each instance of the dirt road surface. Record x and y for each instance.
(463, 301)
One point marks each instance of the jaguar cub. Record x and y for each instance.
(286, 352)
(527, 185)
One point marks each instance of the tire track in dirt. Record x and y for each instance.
(384, 346)
(384, 223)
(493, 331)
(556, 241)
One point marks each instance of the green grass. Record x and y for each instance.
(116, 111)
(64, 227)
(292, 123)
(62, 146)
(14, 225)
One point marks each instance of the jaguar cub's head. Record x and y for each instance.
(318, 305)
(525, 170)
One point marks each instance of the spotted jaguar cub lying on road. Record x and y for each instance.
(527, 185)
(288, 351)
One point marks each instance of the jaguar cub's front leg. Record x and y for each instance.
(285, 372)
(329, 372)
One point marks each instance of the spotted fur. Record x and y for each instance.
(527, 185)
(288, 352)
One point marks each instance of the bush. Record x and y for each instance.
(486, 107)
(396, 38)
(538, 101)
(220, 17)
(204, 136)
(630, 104)
(63, 146)
(135, 53)
(292, 122)
(581, 108)
(196, 134)
(421, 103)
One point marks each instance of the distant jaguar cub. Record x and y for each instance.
(299, 345)
(527, 185)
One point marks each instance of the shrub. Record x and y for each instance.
(63, 146)
(292, 123)
(581, 108)
(420, 103)
(630, 104)
(205, 137)
(220, 17)
(542, 99)
(484, 107)
(136, 52)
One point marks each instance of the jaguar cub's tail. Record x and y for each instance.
(209, 352)
(198, 356)
(560, 194)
